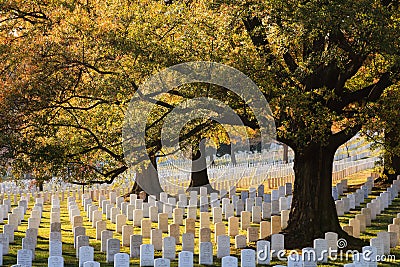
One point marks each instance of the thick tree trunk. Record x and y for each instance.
(233, 158)
(148, 180)
(199, 176)
(313, 211)
(285, 153)
(40, 184)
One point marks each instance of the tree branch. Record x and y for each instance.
(369, 93)
(118, 158)
(339, 138)
(259, 39)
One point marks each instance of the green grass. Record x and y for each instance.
(42, 250)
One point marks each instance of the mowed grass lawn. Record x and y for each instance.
(69, 253)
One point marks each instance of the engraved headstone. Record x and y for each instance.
(263, 252)
(136, 242)
(146, 255)
(55, 248)
(277, 243)
(86, 253)
(121, 260)
(55, 261)
(229, 261)
(113, 247)
(24, 257)
(206, 253)
(156, 239)
(81, 240)
(100, 227)
(161, 262)
(185, 259)
(248, 258)
(223, 246)
(169, 248)
(188, 242)
(105, 235)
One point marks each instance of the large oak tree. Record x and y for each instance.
(69, 71)
(329, 61)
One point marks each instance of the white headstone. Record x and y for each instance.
(135, 243)
(263, 252)
(121, 260)
(55, 248)
(352, 199)
(105, 235)
(55, 261)
(24, 257)
(55, 236)
(146, 255)
(229, 261)
(91, 264)
(309, 257)
(321, 249)
(206, 253)
(161, 262)
(78, 230)
(9, 230)
(86, 253)
(385, 237)
(369, 256)
(378, 244)
(248, 258)
(277, 244)
(295, 260)
(223, 246)
(332, 239)
(185, 259)
(169, 248)
(188, 241)
(113, 247)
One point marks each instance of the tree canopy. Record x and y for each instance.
(70, 68)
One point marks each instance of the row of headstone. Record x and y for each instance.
(137, 212)
(264, 252)
(166, 204)
(85, 252)
(55, 241)
(168, 243)
(15, 219)
(384, 240)
(185, 258)
(245, 218)
(358, 224)
(115, 214)
(339, 189)
(26, 255)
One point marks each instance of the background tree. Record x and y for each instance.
(383, 130)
